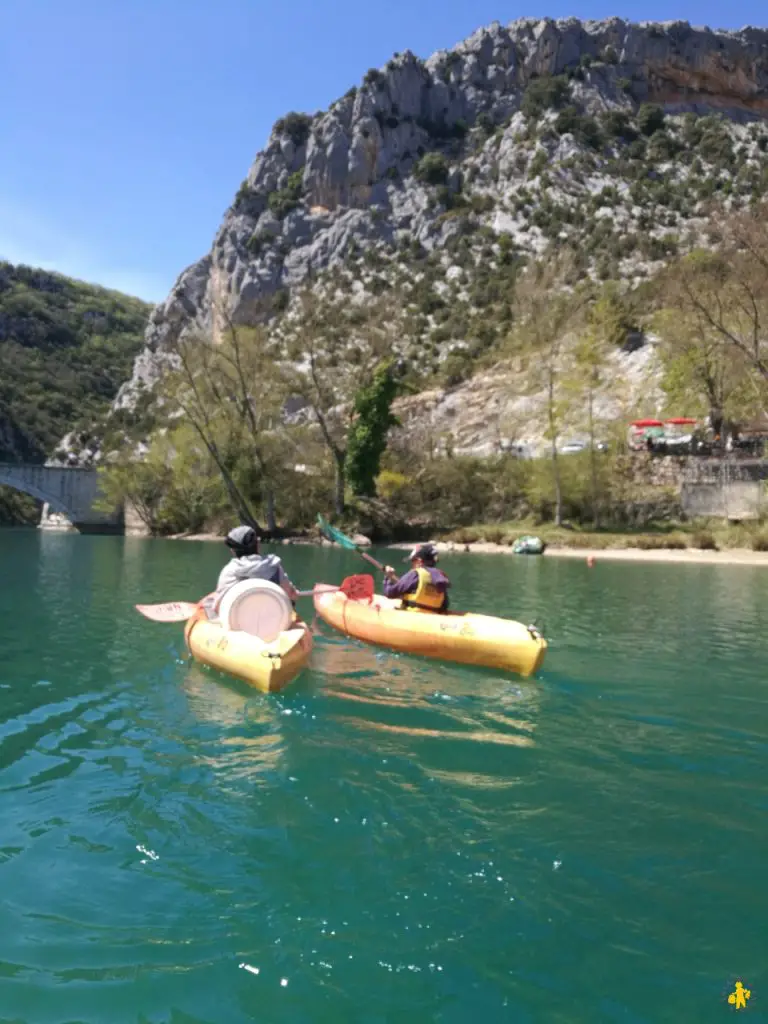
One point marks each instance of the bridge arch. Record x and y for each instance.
(27, 487)
(72, 491)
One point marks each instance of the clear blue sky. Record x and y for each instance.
(127, 125)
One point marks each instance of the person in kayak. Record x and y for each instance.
(248, 564)
(425, 587)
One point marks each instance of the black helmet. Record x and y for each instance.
(426, 552)
(243, 540)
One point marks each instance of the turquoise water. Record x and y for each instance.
(389, 840)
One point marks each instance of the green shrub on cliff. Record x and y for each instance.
(544, 93)
(432, 169)
(295, 126)
(283, 200)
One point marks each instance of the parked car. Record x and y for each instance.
(571, 447)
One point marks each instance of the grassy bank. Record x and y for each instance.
(703, 536)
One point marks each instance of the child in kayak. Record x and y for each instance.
(248, 564)
(424, 588)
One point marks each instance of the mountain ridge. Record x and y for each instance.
(355, 175)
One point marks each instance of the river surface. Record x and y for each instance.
(390, 840)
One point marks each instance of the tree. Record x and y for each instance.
(715, 325)
(547, 308)
(334, 346)
(727, 290)
(173, 486)
(589, 375)
(367, 438)
(700, 372)
(140, 482)
(232, 401)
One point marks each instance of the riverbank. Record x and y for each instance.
(688, 555)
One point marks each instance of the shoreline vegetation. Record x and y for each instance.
(734, 545)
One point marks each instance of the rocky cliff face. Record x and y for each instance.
(536, 130)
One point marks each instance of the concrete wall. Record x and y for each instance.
(735, 500)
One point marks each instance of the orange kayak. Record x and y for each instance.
(462, 637)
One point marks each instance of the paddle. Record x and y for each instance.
(345, 542)
(171, 611)
(356, 588)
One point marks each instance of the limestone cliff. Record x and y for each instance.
(540, 127)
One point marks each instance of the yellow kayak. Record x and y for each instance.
(462, 637)
(267, 666)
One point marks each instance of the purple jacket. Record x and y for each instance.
(408, 583)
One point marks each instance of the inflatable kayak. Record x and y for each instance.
(462, 637)
(253, 635)
(528, 545)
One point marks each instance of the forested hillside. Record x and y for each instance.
(65, 349)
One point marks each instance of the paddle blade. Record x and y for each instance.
(171, 611)
(358, 588)
(333, 534)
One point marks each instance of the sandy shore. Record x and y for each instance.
(689, 556)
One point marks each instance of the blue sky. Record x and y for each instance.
(127, 125)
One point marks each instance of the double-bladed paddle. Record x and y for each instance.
(345, 542)
(356, 588)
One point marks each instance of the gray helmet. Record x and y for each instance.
(426, 552)
(242, 540)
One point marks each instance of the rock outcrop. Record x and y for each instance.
(348, 178)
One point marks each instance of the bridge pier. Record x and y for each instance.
(131, 525)
(50, 520)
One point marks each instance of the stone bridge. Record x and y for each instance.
(71, 492)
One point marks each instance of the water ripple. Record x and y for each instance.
(390, 838)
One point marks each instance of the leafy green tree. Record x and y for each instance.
(367, 439)
(334, 347)
(173, 487)
(141, 482)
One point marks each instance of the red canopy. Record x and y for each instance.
(647, 423)
(680, 420)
